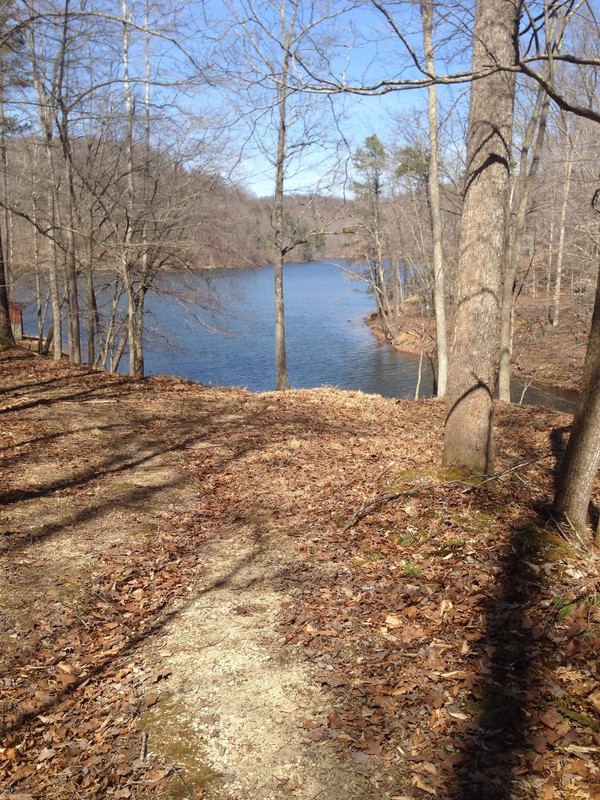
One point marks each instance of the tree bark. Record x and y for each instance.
(6, 335)
(527, 173)
(282, 381)
(468, 440)
(439, 300)
(562, 226)
(582, 457)
(73, 327)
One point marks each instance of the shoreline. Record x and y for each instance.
(544, 375)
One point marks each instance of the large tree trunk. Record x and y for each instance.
(582, 458)
(468, 441)
(439, 300)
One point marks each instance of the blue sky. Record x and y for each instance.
(366, 50)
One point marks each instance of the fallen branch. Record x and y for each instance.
(144, 746)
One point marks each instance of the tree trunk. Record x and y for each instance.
(527, 174)
(439, 300)
(6, 335)
(562, 228)
(73, 326)
(7, 243)
(90, 316)
(140, 297)
(53, 281)
(282, 381)
(468, 443)
(582, 458)
(47, 115)
(72, 289)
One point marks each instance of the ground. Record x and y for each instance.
(211, 593)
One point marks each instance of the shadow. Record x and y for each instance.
(127, 647)
(51, 437)
(237, 441)
(499, 745)
(212, 432)
(18, 542)
(93, 391)
(558, 442)
(111, 467)
(477, 384)
(36, 384)
(492, 158)
(494, 746)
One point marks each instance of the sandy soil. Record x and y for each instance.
(94, 467)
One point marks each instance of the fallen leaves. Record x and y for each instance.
(432, 622)
(468, 660)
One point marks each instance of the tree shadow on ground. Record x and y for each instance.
(127, 647)
(36, 385)
(112, 390)
(496, 744)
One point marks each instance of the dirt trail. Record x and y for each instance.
(185, 614)
(247, 703)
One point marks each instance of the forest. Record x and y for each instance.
(300, 593)
(151, 159)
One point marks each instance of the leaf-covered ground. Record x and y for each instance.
(443, 643)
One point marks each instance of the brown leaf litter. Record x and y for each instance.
(192, 605)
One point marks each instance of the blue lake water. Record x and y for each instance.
(217, 327)
(327, 341)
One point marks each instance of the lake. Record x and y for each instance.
(328, 342)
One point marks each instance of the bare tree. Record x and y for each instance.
(433, 178)
(531, 149)
(267, 37)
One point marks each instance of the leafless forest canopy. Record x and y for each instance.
(135, 137)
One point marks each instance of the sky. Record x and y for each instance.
(192, 66)
(366, 50)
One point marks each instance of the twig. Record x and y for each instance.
(182, 779)
(385, 470)
(524, 392)
(580, 544)
(512, 469)
(144, 746)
